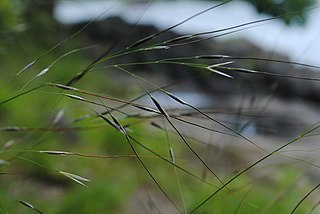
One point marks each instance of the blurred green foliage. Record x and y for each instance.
(29, 18)
(9, 15)
(280, 7)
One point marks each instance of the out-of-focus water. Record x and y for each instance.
(301, 44)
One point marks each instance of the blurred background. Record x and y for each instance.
(233, 122)
(277, 35)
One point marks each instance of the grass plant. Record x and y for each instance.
(74, 140)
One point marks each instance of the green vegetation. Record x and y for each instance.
(280, 7)
(73, 140)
